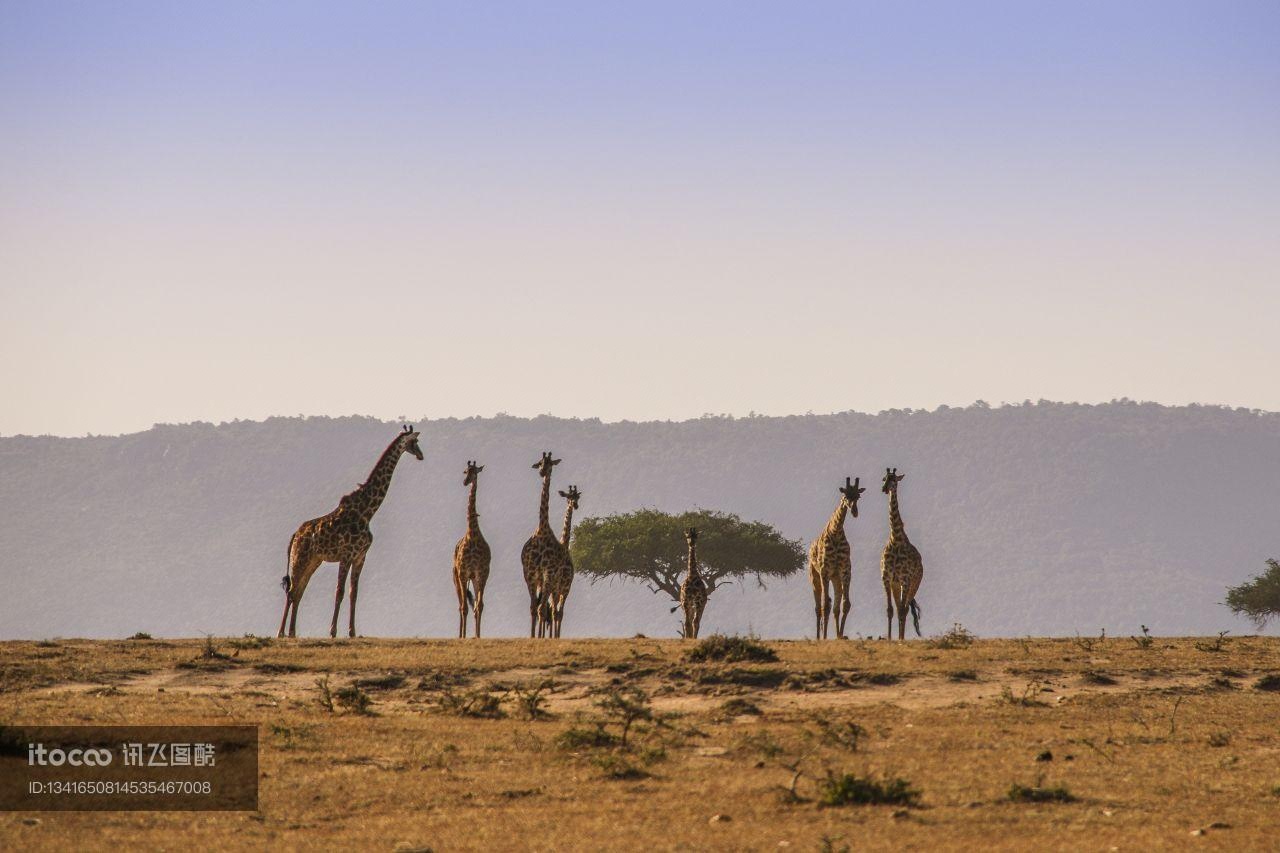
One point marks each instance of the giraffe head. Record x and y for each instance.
(851, 492)
(409, 441)
(891, 480)
(545, 464)
(572, 496)
(691, 535)
(472, 473)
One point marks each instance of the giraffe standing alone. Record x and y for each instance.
(341, 537)
(542, 553)
(693, 592)
(560, 577)
(830, 568)
(471, 557)
(901, 568)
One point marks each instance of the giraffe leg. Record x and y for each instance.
(815, 582)
(355, 588)
(478, 607)
(343, 568)
(460, 589)
(902, 613)
(288, 601)
(840, 598)
(888, 609)
(697, 619)
(533, 614)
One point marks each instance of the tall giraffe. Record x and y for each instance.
(542, 552)
(342, 537)
(471, 557)
(560, 577)
(829, 565)
(694, 591)
(901, 568)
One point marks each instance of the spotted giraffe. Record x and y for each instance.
(542, 553)
(830, 568)
(341, 537)
(694, 591)
(471, 557)
(560, 577)
(901, 568)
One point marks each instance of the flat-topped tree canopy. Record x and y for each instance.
(649, 546)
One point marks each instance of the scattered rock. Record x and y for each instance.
(1045, 756)
(1197, 832)
(710, 750)
(31, 821)
(899, 814)
(720, 818)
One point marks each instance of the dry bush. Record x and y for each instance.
(719, 648)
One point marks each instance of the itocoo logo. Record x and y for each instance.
(37, 754)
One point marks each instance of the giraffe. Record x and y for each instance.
(342, 537)
(471, 557)
(560, 577)
(901, 568)
(829, 564)
(543, 551)
(694, 591)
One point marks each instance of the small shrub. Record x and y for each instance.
(390, 681)
(1269, 682)
(250, 641)
(625, 707)
(1047, 755)
(326, 695)
(354, 700)
(740, 708)
(473, 703)
(1219, 739)
(618, 767)
(1029, 697)
(963, 675)
(846, 789)
(718, 647)
(843, 733)
(577, 739)
(141, 635)
(1099, 678)
(530, 701)
(958, 637)
(1217, 645)
(1039, 794)
(1145, 641)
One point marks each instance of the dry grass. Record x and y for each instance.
(391, 761)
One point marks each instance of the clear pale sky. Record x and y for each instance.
(639, 210)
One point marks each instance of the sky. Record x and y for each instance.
(212, 211)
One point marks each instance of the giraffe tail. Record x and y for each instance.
(915, 616)
(471, 599)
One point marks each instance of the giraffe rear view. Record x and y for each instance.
(901, 568)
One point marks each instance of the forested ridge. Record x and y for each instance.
(1043, 518)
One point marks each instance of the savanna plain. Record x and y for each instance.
(1082, 743)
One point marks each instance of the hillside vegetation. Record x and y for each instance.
(1033, 519)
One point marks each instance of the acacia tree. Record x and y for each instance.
(1259, 597)
(649, 546)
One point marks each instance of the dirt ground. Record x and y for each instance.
(514, 744)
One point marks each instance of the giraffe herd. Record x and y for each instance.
(343, 537)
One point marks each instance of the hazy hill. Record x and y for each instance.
(1033, 519)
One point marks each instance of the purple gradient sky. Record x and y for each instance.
(220, 210)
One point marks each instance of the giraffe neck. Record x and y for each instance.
(544, 523)
(473, 517)
(369, 496)
(693, 562)
(896, 530)
(837, 517)
(568, 525)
